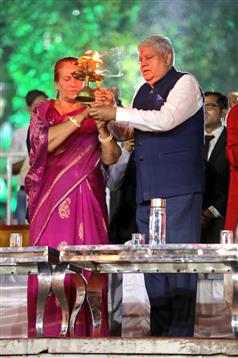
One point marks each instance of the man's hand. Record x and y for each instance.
(129, 145)
(103, 113)
(103, 97)
(207, 218)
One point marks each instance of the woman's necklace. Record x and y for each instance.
(60, 108)
(63, 110)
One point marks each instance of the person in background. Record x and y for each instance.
(122, 184)
(20, 165)
(231, 222)
(216, 168)
(232, 98)
(122, 213)
(116, 94)
(114, 195)
(122, 180)
(66, 187)
(168, 121)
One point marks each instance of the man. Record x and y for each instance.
(168, 122)
(20, 165)
(217, 168)
(122, 184)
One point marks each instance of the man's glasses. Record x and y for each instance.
(211, 106)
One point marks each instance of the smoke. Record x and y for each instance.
(111, 66)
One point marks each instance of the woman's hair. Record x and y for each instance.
(163, 44)
(60, 64)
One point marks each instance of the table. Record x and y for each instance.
(172, 258)
(9, 157)
(32, 260)
(50, 266)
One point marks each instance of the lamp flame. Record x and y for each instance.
(89, 65)
(88, 71)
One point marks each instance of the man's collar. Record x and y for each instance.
(216, 132)
(171, 71)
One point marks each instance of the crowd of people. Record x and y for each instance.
(154, 149)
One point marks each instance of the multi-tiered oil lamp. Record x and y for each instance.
(89, 71)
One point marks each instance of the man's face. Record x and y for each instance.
(213, 113)
(153, 63)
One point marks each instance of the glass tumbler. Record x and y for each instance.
(15, 240)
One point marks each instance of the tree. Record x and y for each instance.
(36, 34)
(204, 34)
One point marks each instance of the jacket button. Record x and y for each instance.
(140, 143)
(140, 158)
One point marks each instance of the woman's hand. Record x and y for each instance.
(100, 125)
(79, 118)
(103, 97)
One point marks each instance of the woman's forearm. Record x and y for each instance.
(60, 132)
(110, 150)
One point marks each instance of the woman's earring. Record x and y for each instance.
(57, 93)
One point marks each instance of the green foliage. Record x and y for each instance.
(40, 32)
(36, 33)
(204, 34)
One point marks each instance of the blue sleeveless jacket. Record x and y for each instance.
(168, 163)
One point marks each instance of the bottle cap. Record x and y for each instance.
(226, 237)
(158, 202)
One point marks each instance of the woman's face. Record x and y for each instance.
(67, 85)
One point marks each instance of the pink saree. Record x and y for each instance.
(67, 203)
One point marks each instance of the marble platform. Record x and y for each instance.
(118, 347)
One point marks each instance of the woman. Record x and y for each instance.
(65, 183)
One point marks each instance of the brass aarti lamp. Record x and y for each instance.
(89, 71)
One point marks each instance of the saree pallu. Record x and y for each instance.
(67, 206)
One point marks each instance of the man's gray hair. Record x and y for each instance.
(163, 44)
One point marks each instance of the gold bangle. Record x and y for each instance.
(105, 140)
(74, 122)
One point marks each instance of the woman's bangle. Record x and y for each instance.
(105, 140)
(73, 120)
